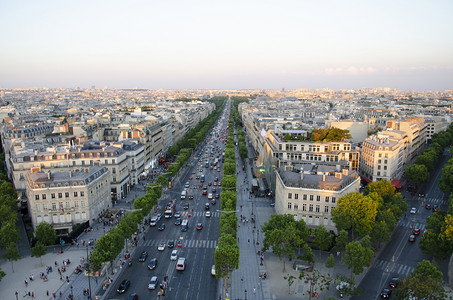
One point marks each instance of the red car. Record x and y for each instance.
(205, 192)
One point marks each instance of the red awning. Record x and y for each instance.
(397, 183)
(366, 179)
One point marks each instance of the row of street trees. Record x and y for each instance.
(226, 256)
(241, 135)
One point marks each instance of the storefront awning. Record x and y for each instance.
(366, 179)
(397, 183)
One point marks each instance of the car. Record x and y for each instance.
(159, 216)
(213, 270)
(428, 206)
(191, 197)
(187, 184)
(143, 256)
(205, 187)
(204, 192)
(152, 264)
(161, 246)
(394, 282)
(133, 296)
(174, 255)
(386, 293)
(170, 244)
(190, 178)
(220, 183)
(207, 206)
(218, 170)
(124, 285)
(413, 210)
(217, 196)
(197, 177)
(177, 215)
(209, 196)
(214, 184)
(214, 190)
(216, 179)
(199, 226)
(178, 222)
(152, 283)
(416, 231)
(412, 238)
(421, 194)
(161, 227)
(186, 206)
(213, 202)
(208, 214)
(210, 183)
(435, 208)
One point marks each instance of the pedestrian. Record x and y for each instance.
(248, 241)
(33, 295)
(26, 282)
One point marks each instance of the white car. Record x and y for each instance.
(174, 255)
(213, 270)
(161, 246)
(209, 196)
(152, 283)
(208, 214)
(413, 210)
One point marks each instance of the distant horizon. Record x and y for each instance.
(205, 44)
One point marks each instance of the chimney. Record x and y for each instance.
(345, 172)
(302, 175)
(48, 175)
(323, 177)
(70, 173)
(337, 168)
(338, 175)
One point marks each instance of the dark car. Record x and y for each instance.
(216, 179)
(186, 206)
(213, 202)
(412, 238)
(210, 183)
(435, 208)
(421, 194)
(143, 256)
(124, 285)
(394, 282)
(428, 206)
(190, 197)
(133, 296)
(178, 222)
(161, 227)
(386, 293)
(199, 226)
(214, 190)
(171, 244)
(152, 264)
(416, 231)
(217, 196)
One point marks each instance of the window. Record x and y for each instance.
(54, 206)
(113, 170)
(296, 196)
(60, 195)
(305, 197)
(66, 195)
(318, 198)
(304, 207)
(296, 206)
(76, 203)
(333, 199)
(317, 208)
(327, 199)
(290, 195)
(114, 179)
(43, 196)
(326, 209)
(52, 195)
(310, 208)
(36, 197)
(290, 205)
(67, 204)
(75, 194)
(82, 203)
(60, 205)
(82, 194)
(38, 207)
(311, 197)
(44, 206)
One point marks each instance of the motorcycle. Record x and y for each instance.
(129, 263)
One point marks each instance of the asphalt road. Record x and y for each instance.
(198, 246)
(399, 257)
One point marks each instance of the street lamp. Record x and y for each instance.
(17, 295)
(89, 282)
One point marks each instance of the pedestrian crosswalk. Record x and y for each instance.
(393, 268)
(409, 224)
(432, 201)
(209, 244)
(214, 214)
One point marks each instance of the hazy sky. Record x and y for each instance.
(227, 44)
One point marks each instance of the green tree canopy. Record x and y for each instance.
(358, 255)
(46, 233)
(39, 250)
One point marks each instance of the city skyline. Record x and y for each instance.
(234, 45)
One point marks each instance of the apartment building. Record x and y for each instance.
(67, 198)
(310, 192)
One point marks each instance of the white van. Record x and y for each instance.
(183, 195)
(153, 221)
(181, 264)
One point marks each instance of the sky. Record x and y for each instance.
(234, 44)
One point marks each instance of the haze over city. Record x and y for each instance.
(229, 44)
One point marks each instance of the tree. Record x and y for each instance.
(446, 181)
(358, 255)
(433, 241)
(39, 250)
(383, 188)
(424, 283)
(11, 253)
(417, 174)
(318, 281)
(229, 168)
(8, 234)
(229, 182)
(226, 258)
(46, 234)
(356, 212)
(322, 238)
(290, 279)
(330, 262)
(341, 240)
(2, 274)
(380, 232)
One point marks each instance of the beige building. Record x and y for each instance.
(67, 198)
(310, 192)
